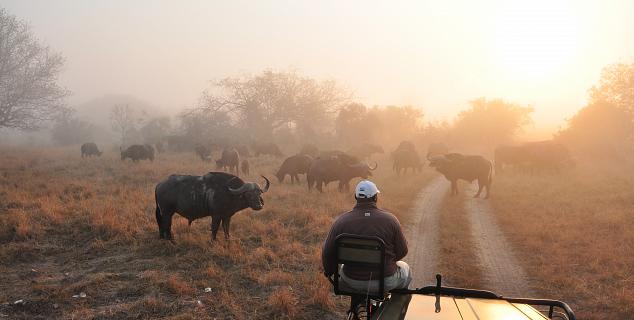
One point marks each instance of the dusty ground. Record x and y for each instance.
(502, 272)
(423, 233)
(69, 226)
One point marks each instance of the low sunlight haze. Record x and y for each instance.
(432, 55)
(350, 159)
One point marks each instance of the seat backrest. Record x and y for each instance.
(366, 252)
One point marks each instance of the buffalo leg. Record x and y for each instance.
(226, 221)
(166, 221)
(215, 224)
(319, 185)
(480, 185)
(158, 221)
(488, 187)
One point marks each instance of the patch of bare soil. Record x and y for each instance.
(502, 271)
(422, 233)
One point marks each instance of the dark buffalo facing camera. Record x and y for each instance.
(90, 149)
(456, 166)
(216, 194)
(138, 152)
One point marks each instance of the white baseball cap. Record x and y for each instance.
(366, 189)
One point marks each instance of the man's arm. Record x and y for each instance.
(400, 243)
(328, 252)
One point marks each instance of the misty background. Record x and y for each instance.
(159, 57)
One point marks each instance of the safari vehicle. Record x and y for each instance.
(431, 302)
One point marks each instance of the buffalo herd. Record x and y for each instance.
(221, 194)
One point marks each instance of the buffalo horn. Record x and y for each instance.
(376, 165)
(240, 190)
(268, 184)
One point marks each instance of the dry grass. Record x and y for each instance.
(575, 233)
(69, 226)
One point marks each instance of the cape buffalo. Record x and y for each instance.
(203, 152)
(294, 166)
(267, 148)
(90, 149)
(325, 170)
(216, 194)
(346, 158)
(245, 167)
(456, 166)
(535, 156)
(138, 152)
(405, 159)
(229, 159)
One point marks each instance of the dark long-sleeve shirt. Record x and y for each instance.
(366, 219)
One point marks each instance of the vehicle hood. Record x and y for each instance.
(423, 307)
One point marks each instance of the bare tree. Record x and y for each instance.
(122, 121)
(29, 93)
(273, 100)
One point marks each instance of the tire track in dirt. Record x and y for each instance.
(502, 271)
(422, 233)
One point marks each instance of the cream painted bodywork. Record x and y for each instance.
(423, 307)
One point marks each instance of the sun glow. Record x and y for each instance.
(535, 39)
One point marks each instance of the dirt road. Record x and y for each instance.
(502, 272)
(422, 233)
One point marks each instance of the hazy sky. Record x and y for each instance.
(436, 55)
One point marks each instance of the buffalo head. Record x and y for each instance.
(437, 161)
(362, 170)
(252, 193)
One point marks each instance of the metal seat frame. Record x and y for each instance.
(366, 252)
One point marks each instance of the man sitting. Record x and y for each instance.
(366, 219)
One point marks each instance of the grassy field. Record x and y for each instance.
(70, 226)
(574, 233)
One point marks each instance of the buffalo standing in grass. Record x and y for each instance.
(230, 159)
(405, 159)
(216, 194)
(294, 166)
(138, 152)
(245, 167)
(203, 152)
(336, 168)
(542, 156)
(455, 166)
(90, 149)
